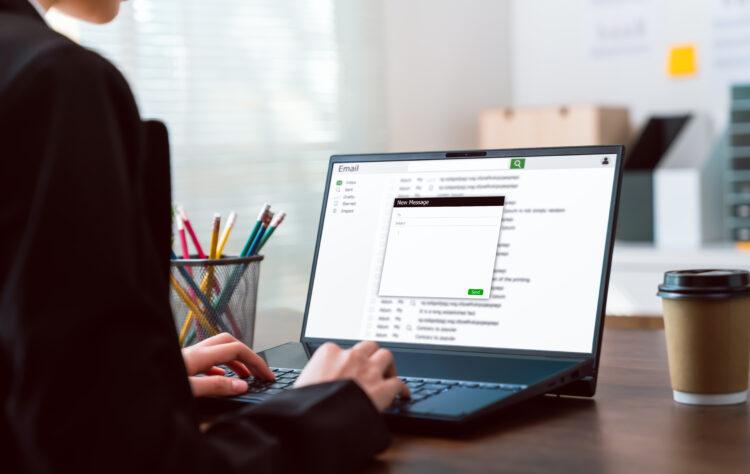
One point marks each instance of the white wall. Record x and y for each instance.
(445, 60)
(615, 52)
(359, 33)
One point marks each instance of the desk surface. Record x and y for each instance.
(632, 425)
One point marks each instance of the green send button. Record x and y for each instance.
(476, 292)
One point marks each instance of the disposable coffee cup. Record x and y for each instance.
(707, 326)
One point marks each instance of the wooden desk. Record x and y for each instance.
(632, 425)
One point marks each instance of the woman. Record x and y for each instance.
(92, 376)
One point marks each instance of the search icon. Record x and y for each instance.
(517, 163)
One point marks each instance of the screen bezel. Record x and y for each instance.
(617, 150)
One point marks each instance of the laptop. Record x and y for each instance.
(484, 272)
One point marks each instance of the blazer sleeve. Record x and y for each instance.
(93, 376)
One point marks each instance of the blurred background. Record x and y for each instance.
(257, 94)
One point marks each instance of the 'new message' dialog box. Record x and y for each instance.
(442, 247)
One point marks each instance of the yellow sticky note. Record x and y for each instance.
(682, 61)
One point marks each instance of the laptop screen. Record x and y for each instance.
(488, 253)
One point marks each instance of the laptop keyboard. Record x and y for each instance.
(420, 388)
(285, 379)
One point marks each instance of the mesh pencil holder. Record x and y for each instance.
(209, 297)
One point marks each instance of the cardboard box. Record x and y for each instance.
(553, 126)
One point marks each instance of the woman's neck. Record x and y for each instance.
(45, 4)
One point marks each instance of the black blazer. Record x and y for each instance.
(91, 376)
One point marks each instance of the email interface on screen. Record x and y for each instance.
(488, 252)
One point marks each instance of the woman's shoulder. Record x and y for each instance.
(35, 52)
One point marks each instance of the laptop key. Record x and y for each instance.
(428, 392)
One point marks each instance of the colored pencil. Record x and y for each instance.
(183, 239)
(225, 235)
(234, 279)
(222, 244)
(191, 232)
(185, 253)
(265, 222)
(215, 252)
(208, 278)
(256, 228)
(277, 220)
(189, 303)
(198, 293)
(214, 245)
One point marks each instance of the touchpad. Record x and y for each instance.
(459, 401)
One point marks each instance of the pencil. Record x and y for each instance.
(208, 279)
(191, 232)
(189, 303)
(223, 243)
(225, 235)
(277, 220)
(185, 252)
(183, 239)
(201, 296)
(256, 228)
(194, 238)
(214, 245)
(226, 294)
(265, 221)
(216, 248)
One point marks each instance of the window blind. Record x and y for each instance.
(250, 93)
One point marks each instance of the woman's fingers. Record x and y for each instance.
(395, 386)
(217, 386)
(221, 338)
(201, 358)
(239, 368)
(385, 391)
(383, 360)
(215, 371)
(367, 348)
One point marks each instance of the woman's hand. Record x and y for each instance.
(371, 367)
(203, 357)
